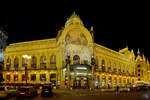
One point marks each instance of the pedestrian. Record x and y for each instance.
(117, 89)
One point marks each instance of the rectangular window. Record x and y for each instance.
(7, 77)
(42, 77)
(23, 77)
(33, 77)
(15, 77)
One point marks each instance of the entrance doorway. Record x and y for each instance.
(81, 82)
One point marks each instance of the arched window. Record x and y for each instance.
(115, 69)
(76, 59)
(123, 68)
(16, 63)
(8, 63)
(109, 66)
(24, 62)
(33, 62)
(119, 68)
(103, 66)
(96, 63)
(53, 61)
(43, 62)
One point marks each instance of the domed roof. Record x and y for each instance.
(74, 19)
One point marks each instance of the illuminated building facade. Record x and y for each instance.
(72, 58)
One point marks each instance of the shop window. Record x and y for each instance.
(23, 77)
(8, 78)
(33, 77)
(42, 77)
(52, 77)
(15, 77)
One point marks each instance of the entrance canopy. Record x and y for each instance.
(80, 70)
(80, 67)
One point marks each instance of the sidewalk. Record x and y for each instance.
(83, 90)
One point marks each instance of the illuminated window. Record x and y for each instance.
(52, 77)
(16, 63)
(124, 68)
(42, 77)
(109, 66)
(76, 59)
(115, 69)
(119, 68)
(33, 77)
(33, 62)
(24, 62)
(23, 77)
(53, 61)
(43, 62)
(15, 77)
(8, 64)
(103, 66)
(86, 62)
(139, 70)
(7, 77)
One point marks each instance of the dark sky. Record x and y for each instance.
(115, 27)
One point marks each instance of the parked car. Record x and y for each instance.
(26, 91)
(143, 88)
(46, 90)
(124, 89)
(134, 88)
(6, 91)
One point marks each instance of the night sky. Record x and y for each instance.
(115, 27)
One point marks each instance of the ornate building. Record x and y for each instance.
(71, 59)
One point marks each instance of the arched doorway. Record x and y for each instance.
(80, 76)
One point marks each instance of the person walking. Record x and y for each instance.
(117, 89)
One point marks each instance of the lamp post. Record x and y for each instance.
(68, 70)
(26, 64)
(93, 64)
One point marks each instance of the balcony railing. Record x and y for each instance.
(23, 68)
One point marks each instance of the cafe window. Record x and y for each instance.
(42, 77)
(33, 77)
(7, 77)
(15, 77)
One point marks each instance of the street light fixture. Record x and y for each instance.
(26, 73)
(68, 70)
(93, 64)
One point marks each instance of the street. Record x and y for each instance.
(90, 95)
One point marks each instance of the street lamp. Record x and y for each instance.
(68, 70)
(26, 64)
(93, 64)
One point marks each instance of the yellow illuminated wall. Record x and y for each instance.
(112, 67)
